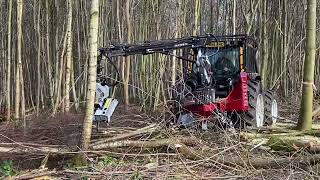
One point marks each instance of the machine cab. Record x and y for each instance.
(223, 61)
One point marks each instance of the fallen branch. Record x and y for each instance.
(145, 144)
(27, 149)
(148, 129)
(272, 162)
(39, 174)
(118, 154)
(292, 126)
(292, 141)
(258, 163)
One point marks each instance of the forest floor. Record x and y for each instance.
(42, 151)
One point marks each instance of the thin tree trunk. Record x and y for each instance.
(59, 77)
(226, 18)
(234, 20)
(305, 120)
(19, 49)
(196, 17)
(285, 49)
(120, 36)
(69, 57)
(92, 72)
(176, 34)
(49, 59)
(23, 103)
(8, 99)
(127, 74)
(38, 60)
(49, 65)
(264, 58)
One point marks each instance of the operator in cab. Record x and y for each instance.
(224, 65)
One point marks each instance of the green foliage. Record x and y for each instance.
(84, 178)
(7, 169)
(77, 162)
(177, 177)
(279, 144)
(136, 176)
(109, 161)
(140, 161)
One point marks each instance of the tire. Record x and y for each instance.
(271, 107)
(255, 115)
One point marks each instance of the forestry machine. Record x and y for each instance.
(221, 77)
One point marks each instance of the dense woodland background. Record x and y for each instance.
(43, 65)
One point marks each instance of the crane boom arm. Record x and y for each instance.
(158, 46)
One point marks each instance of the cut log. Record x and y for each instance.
(272, 162)
(21, 148)
(289, 142)
(145, 144)
(292, 143)
(148, 129)
(36, 174)
(285, 133)
(255, 162)
(245, 136)
(292, 126)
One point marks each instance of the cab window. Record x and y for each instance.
(250, 60)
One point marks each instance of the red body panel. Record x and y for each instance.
(237, 100)
(204, 110)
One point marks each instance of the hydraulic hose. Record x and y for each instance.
(117, 80)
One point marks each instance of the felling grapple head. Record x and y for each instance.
(104, 104)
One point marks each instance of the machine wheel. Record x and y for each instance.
(271, 107)
(255, 115)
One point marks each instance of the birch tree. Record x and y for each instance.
(38, 56)
(234, 20)
(69, 57)
(19, 48)
(127, 74)
(305, 120)
(176, 35)
(197, 12)
(264, 46)
(8, 100)
(92, 73)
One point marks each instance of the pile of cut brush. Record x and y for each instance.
(138, 146)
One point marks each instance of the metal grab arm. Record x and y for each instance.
(157, 46)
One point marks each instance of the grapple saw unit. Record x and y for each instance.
(221, 77)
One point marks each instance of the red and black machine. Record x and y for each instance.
(221, 77)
